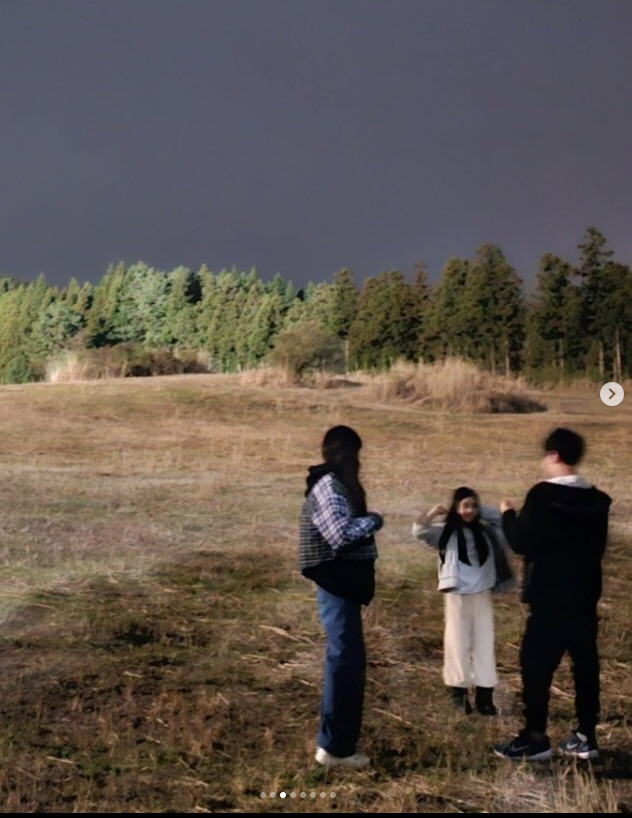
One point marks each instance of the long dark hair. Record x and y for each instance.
(340, 449)
(454, 522)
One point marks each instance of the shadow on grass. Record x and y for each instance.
(198, 688)
(153, 694)
(614, 765)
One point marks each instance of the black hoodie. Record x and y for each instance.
(561, 531)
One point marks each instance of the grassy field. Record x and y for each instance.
(160, 651)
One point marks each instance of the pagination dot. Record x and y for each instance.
(294, 794)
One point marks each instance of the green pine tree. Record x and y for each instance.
(494, 307)
(594, 258)
(554, 330)
(386, 326)
(446, 329)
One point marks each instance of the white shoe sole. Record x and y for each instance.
(352, 762)
(586, 756)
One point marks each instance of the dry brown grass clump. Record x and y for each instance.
(455, 385)
(123, 361)
(268, 376)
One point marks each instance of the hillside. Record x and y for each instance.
(160, 651)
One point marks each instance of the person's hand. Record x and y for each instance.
(435, 511)
(507, 505)
(377, 517)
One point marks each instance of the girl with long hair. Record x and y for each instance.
(472, 563)
(337, 551)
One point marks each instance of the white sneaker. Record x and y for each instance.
(357, 760)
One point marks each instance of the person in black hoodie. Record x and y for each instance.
(337, 551)
(561, 533)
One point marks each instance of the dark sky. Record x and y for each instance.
(302, 136)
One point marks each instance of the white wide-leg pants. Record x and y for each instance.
(468, 641)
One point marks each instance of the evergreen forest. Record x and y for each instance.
(577, 321)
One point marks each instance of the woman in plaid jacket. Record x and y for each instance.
(337, 552)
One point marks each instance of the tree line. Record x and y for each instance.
(577, 322)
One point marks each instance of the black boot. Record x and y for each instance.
(458, 695)
(484, 701)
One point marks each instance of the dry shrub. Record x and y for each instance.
(305, 347)
(66, 368)
(454, 385)
(273, 376)
(124, 361)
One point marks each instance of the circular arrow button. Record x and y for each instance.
(612, 393)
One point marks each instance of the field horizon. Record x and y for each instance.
(162, 653)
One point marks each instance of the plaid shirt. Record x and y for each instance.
(329, 529)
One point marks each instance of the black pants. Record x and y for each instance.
(547, 637)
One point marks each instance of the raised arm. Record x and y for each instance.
(424, 528)
(334, 519)
(522, 530)
(492, 518)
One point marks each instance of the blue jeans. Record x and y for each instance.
(345, 665)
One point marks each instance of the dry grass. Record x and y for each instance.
(571, 790)
(455, 385)
(582, 385)
(161, 653)
(267, 376)
(123, 361)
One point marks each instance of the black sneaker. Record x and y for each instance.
(579, 746)
(524, 746)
